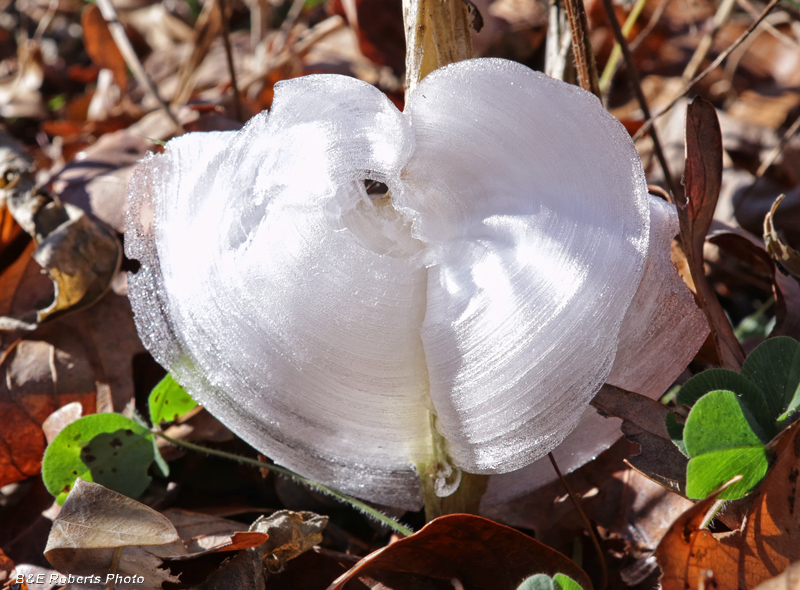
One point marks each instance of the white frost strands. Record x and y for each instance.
(517, 256)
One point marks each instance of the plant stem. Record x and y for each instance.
(582, 47)
(616, 53)
(437, 34)
(357, 504)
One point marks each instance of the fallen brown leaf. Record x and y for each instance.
(81, 256)
(462, 547)
(290, 534)
(100, 45)
(28, 395)
(94, 522)
(750, 253)
(97, 179)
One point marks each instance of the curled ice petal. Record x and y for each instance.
(536, 215)
(485, 294)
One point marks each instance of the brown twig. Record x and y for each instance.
(237, 99)
(720, 58)
(633, 74)
(768, 161)
(721, 17)
(582, 47)
(651, 24)
(131, 59)
(586, 523)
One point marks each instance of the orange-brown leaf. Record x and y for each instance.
(100, 45)
(467, 548)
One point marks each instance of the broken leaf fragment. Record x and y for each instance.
(466, 320)
(80, 255)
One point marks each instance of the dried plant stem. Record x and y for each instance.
(437, 33)
(720, 58)
(586, 523)
(768, 161)
(633, 74)
(769, 24)
(131, 59)
(116, 557)
(651, 24)
(226, 39)
(721, 17)
(585, 64)
(357, 504)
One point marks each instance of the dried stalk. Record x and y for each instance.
(131, 59)
(582, 47)
(633, 74)
(437, 34)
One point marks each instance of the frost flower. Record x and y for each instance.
(471, 313)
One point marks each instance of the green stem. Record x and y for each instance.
(357, 504)
(616, 53)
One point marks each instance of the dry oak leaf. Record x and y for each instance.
(96, 521)
(764, 547)
(488, 555)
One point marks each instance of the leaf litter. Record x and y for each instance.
(83, 122)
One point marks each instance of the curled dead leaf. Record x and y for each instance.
(81, 256)
(782, 252)
(290, 534)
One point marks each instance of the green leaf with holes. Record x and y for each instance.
(108, 449)
(169, 401)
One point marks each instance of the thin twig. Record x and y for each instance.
(116, 557)
(651, 24)
(778, 148)
(131, 59)
(720, 58)
(358, 504)
(585, 64)
(633, 73)
(616, 53)
(226, 39)
(45, 22)
(781, 18)
(586, 523)
(721, 17)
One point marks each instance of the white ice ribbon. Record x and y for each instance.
(488, 291)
